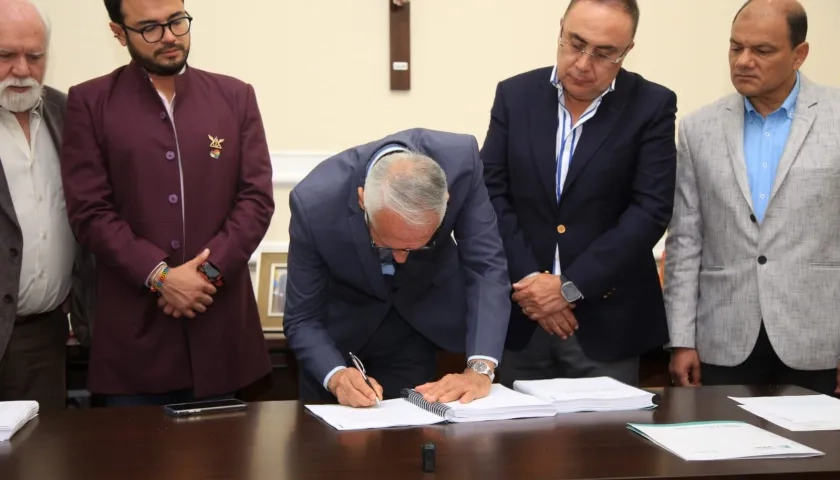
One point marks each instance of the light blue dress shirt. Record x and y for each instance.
(764, 142)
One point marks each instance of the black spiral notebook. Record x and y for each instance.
(413, 410)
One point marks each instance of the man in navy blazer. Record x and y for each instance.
(394, 252)
(580, 163)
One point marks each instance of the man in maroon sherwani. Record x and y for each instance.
(167, 179)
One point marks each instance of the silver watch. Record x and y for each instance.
(482, 368)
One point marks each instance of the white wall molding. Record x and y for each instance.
(288, 168)
(268, 247)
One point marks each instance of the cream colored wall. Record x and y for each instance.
(320, 66)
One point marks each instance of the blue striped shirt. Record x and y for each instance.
(568, 136)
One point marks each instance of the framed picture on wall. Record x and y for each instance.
(271, 289)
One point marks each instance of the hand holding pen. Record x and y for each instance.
(353, 387)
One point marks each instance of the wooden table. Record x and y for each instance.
(279, 440)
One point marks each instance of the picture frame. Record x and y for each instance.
(270, 289)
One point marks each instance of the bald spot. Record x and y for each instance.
(20, 24)
(765, 8)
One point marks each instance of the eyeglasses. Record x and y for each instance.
(385, 252)
(577, 48)
(154, 33)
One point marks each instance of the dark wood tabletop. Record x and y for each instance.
(280, 440)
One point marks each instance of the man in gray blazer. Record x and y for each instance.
(753, 250)
(41, 260)
(394, 252)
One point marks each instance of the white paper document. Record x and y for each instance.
(597, 394)
(721, 441)
(501, 403)
(14, 415)
(797, 413)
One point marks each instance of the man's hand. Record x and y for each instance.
(685, 367)
(186, 291)
(563, 323)
(466, 386)
(350, 389)
(539, 295)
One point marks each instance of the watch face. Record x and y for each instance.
(571, 292)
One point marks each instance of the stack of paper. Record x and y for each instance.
(799, 413)
(14, 415)
(500, 404)
(721, 441)
(586, 394)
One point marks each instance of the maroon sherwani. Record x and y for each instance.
(143, 187)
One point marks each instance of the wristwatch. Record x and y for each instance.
(569, 290)
(211, 273)
(482, 368)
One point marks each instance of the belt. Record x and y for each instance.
(36, 316)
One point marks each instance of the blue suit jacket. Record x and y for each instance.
(616, 204)
(457, 295)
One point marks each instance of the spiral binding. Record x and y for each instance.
(417, 400)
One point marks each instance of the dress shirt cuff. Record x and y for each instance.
(152, 274)
(482, 357)
(329, 375)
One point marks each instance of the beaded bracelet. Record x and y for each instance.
(157, 284)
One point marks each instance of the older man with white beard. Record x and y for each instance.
(37, 247)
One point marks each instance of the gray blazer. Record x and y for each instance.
(724, 272)
(11, 239)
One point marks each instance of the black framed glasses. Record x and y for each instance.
(386, 252)
(153, 33)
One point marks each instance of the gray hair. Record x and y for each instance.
(44, 18)
(409, 184)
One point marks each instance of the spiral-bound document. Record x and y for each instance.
(412, 410)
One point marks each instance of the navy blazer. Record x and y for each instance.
(457, 294)
(616, 204)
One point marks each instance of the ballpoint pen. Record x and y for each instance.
(361, 369)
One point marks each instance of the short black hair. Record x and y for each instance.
(797, 21)
(114, 8)
(630, 7)
(115, 13)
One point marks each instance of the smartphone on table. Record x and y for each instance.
(202, 407)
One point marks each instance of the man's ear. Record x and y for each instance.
(361, 198)
(119, 33)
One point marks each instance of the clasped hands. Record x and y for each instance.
(539, 298)
(185, 291)
(350, 388)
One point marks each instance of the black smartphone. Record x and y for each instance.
(207, 406)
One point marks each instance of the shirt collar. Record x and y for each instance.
(385, 150)
(559, 86)
(789, 105)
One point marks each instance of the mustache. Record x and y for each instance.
(18, 82)
(170, 47)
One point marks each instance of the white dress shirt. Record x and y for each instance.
(33, 174)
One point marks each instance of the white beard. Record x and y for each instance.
(19, 102)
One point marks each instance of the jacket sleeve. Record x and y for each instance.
(644, 221)
(684, 245)
(306, 298)
(248, 220)
(520, 258)
(485, 270)
(90, 206)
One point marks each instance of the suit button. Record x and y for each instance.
(173, 199)
(8, 299)
(163, 115)
(762, 260)
(13, 252)
(753, 219)
(561, 229)
(175, 244)
(170, 155)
